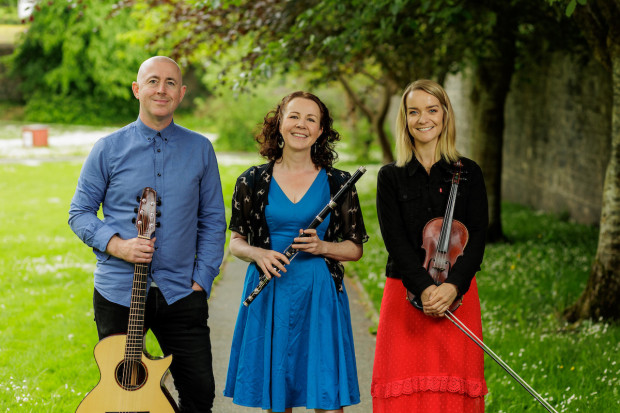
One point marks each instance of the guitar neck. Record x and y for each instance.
(135, 329)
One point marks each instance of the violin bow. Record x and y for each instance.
(461, 326)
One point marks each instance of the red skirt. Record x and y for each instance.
(425, 364)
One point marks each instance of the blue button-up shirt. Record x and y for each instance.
(181, 166)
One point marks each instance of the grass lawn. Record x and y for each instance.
(47, 333)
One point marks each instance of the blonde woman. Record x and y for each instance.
(423, 363)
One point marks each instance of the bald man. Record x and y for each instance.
(186, 252)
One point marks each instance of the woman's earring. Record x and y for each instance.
(313, 150)
(280, 142)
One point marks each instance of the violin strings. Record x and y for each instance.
(441, 253)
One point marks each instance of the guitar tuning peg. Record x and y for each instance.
(135, 210)
(158, 201)
(158, 224)
(133, 220)
(158, 214)
(138, 199)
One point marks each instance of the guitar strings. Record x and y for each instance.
(135, 337)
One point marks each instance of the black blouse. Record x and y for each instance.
(251, 197)
(408, 197)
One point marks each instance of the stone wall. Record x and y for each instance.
(557, 134)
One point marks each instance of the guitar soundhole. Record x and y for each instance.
(131, 375)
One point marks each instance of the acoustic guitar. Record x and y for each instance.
(131, 381)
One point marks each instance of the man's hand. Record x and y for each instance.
(135, 250)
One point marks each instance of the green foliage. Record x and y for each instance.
(237, 119)
(75, 65)
(390, 43)
(572, 5)
(370, 270)
(234, 117)
(11, 111)
(8, 12)
(326, 37)
(81, 110)
(407, 39)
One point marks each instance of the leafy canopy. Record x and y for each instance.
(76, 64)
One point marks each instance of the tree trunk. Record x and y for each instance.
(600, 298)
(488, 97)
(379, 126)
(359, 145)
(376, 119)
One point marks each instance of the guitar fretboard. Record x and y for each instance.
(135, 330)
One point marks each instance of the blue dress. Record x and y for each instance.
(293, 345)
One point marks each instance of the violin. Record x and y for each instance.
(444, 240)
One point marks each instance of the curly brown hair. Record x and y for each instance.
(323, 152)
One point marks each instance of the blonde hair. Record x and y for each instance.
(446, 145)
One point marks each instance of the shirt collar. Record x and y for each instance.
(149, 134)
(413, 165)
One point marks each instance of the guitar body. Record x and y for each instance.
(109, 396)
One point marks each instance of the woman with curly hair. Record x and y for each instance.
(293, 346)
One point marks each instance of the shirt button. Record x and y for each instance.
(158, 174)
(159, 150)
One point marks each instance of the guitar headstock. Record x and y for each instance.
(145, 221)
